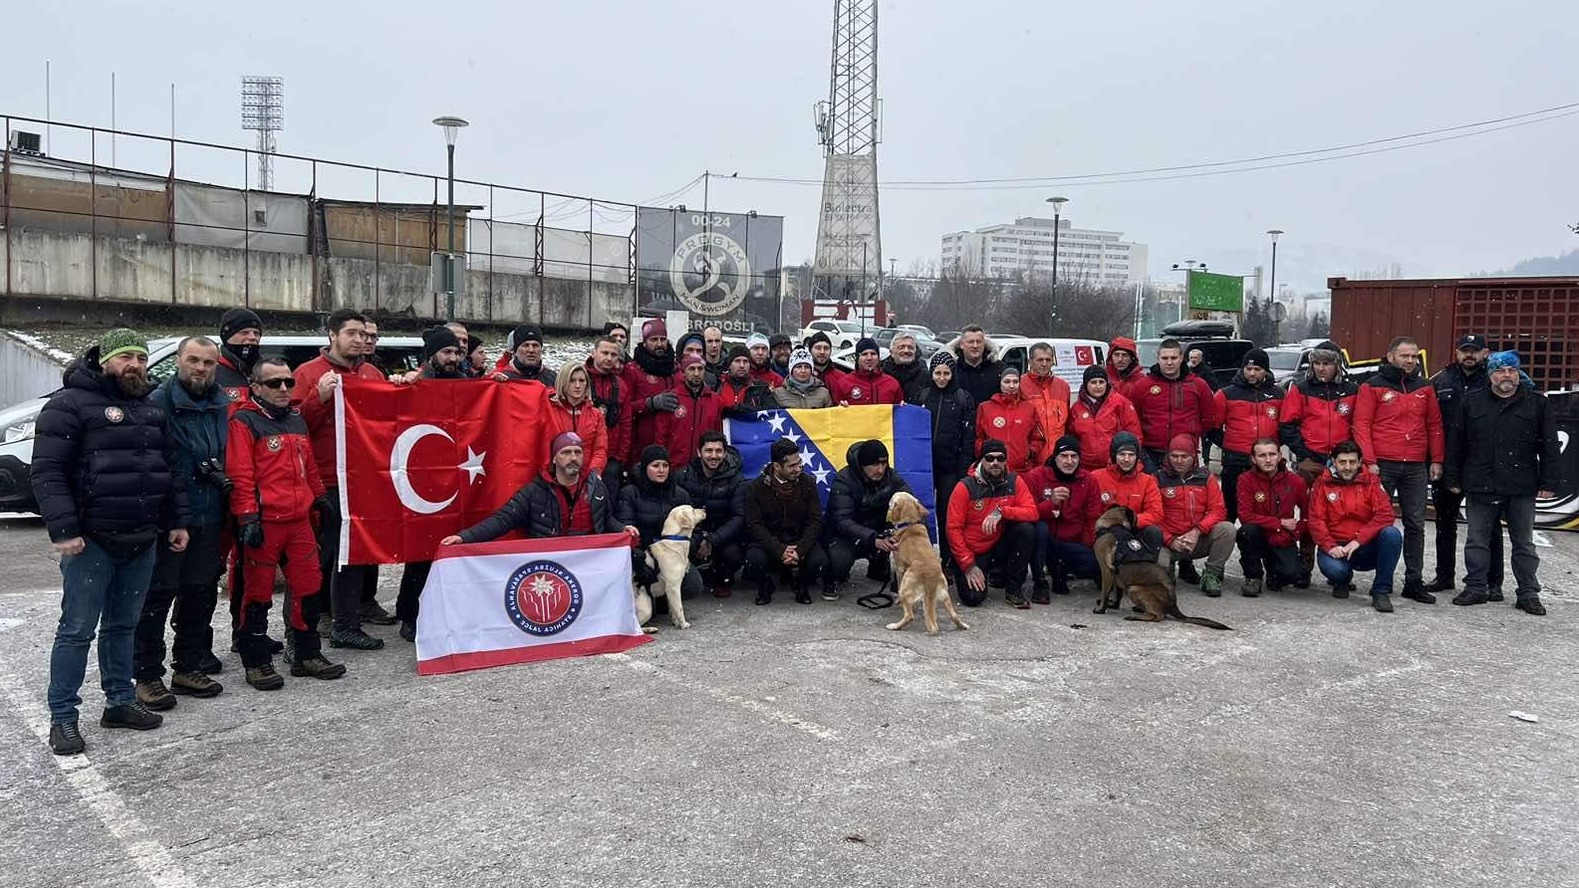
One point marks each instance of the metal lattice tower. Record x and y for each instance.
(263, 110)
(849, 257)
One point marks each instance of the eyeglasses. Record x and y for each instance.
(994, 458)
(283, 382)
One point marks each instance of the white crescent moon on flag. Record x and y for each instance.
(397, 469)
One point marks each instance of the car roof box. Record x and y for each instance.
(1211, 329)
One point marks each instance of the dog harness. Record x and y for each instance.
(1130, 548)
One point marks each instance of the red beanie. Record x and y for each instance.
(1183, 443)
(654, 327)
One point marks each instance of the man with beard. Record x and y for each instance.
(784, 525)
(904, 364)
(991, 526)
(761, 353)
(1171, 401)
(713, 351)
(1274, 507)
(527, 361)
(1067, 502)
(562, 501)
(977, 368)
(188, 579)
(1194, 516)
(101, 474)
(607, 390)
(821, 348)
(1123, 364)
(1250, 408)
(779, 349)
(715, 484)
(240, 331)
(277, 496)
(1454, 384)
(649, 378)
(858, 514)
(738, 393)
(700, 409)
(1047, 391)
(370, 347)
(867, 384)
(621, 335)
(1503, 455)
(1351, 521)
(693, 344)
(1318, 412)
(344, 588)
(1398, 425)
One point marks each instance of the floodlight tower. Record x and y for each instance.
(849, 257)
(263, 110)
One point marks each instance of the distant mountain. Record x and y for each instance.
(1567, 263)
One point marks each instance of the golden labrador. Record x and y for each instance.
(918, 572)
(670, 555)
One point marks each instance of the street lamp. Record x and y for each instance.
(452, 127)
(1058, 209)
(1274, 233)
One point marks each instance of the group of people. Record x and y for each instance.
(151, 494)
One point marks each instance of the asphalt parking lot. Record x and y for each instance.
(1320, 743)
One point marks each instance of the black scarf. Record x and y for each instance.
(655, 365)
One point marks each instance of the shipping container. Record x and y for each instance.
(1537, 317)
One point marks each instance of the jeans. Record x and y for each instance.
(1409, 481)
(1482, 549)
(1380, 555)
(103, 595)
(1013, 551)
(1447, 504)
(188, 581)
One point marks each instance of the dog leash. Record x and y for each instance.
(882, 597)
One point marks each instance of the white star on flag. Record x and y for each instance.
(776, 422)
(793, 437)
(822, 477)
(473, 464)
(808, 457)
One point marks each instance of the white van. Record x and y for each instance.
(1071, 357)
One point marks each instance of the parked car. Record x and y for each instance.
(1071, 357)
(844, 359)
(396, 353)
(843, 334)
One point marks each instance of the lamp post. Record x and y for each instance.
(1058, 209)
(1274, 233)
(452, 127)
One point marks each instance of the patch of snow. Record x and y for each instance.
(37, 343)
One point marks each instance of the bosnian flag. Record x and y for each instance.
(516, 601)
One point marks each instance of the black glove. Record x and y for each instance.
(328, 510)
(664, 402)
(252, 534)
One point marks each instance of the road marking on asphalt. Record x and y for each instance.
(757, 707)
(150, 858)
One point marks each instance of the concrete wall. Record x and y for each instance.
(24, 372)
(72, 268)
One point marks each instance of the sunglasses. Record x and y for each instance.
(284, 382)
(995, 457)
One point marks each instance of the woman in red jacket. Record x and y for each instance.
(571, 410)
(1097, 415)
(1011, 419)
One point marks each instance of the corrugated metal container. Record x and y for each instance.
(1538, 317)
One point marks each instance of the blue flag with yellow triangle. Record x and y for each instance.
(825, 436)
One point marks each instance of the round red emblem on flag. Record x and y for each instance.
(542, 598)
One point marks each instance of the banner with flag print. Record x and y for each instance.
(422, 461)
(519, 601)
(826, 435)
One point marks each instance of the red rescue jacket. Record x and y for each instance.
(586, 420)
(1050, 394)
(681, 431)
(1248, 413)
(1341, 511)
(1317, 416)
(270, 462)
(319, 415)
(640, 385)
(859, 387)
(1012, 421)
(1193, 502)
(1137, 490)
(1073, 520)
(1265, 500)
(1168, 407)
(1096, 428)
(972, 501)
(1398, 419)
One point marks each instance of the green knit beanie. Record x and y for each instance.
(119, 341)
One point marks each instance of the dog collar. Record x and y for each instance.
(676, 538)
(902, 525)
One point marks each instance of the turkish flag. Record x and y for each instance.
(419, 462)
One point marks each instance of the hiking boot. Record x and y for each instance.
(317, 667)
(354, 638)
(194, 684)
(765, 591)
(1274, 583)
(373, 612)
(1417, 592)
(1440, 584)
(1342, 590)
(1303, 582)
(1060, 584)
(803, 595)
(995, 578)
(1211, 582)
(1014, 600)
(1531, 605)
(408, 631)
(130, 715)
(1041, 592)
(832, 592)
(1495, 595)
(154, 695)
(264, 678)
(210, 665)
(66, 739)
(325, 626)
(1187, 572)
(1251, 588)
(1382, 602)
(1467, 597)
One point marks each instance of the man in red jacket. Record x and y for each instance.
(1250, 408)
(1274, 505)
(1125, 483)
(1171, 401)
(1066, 501)
(316, 382)
(1351, 520)
(276, 495)
(699, 410)
(608, 395)
(648, 378)
(1194, 518)
(867, 383)
(991, 521)
(1398, 425)
(1318, 412)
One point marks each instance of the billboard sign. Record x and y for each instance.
(1216, 292)
(722, 268)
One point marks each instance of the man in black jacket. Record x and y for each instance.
(527, 362)
(1503, 455)
(977, 368)
(905, 365)
(858, 513)
(563, 501)
(1454, 384)
(783, 524)
(102, 478)
(715, 484)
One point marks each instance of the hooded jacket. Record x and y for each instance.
(1012, 420)
(858, 507)
(1317, 416)
(722, 496)
(1344, 511)
(1117, 380)
(270, 462)
(1249, 412)
(1096, 422)
(953, 427)
(1193, 501)
(1168, 407)
(981, 381)
(1074, 519)
(858, 387)
(1397, 419)
(973, 499)
(1452, 385)
(1265, 500)
(1135, 489)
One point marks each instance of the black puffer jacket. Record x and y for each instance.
(953, 427)
(857, 507)
(723, 496)
(535, 511)
(1453, 386)
(101, 461)
(645, 505)
(914, 377)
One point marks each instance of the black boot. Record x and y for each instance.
(1187, 572)
(1415, 592)
(1441, 584)
(802, 594)
(765, 591)
(65, 738)
(1060, 583)
(130, 715)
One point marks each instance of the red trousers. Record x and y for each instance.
(295, 542)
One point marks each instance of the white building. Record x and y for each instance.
(1026, 245)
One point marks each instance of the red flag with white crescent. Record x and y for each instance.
(419, 462)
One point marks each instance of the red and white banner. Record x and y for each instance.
(422, 461)
(518, 601)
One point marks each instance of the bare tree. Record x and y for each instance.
(1084, 309)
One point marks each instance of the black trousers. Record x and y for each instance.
(1259, 558)
(842, 555)
(1234, 465)
(1012, 554)
(943, 486)
(727, 559)
(766, 568)
(1447, 504)
(185, 591)
(412, 580)
(343, 588)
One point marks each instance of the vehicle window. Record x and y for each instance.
(1014, 357)
(1284, 362)
(161, 370)
(1223, 354)
(1146, 352)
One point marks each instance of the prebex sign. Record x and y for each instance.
(723, 268)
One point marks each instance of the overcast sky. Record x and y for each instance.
(629, 100)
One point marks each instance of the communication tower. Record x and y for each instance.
(849, 257)
(263, 110)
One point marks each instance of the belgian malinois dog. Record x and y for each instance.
(1148, 583)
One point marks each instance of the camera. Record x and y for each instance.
(213, 471)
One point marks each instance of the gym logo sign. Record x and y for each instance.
(710, 273)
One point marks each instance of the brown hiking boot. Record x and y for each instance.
(264, 678)
(317, 667)
(194, 684)
(154, 695)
